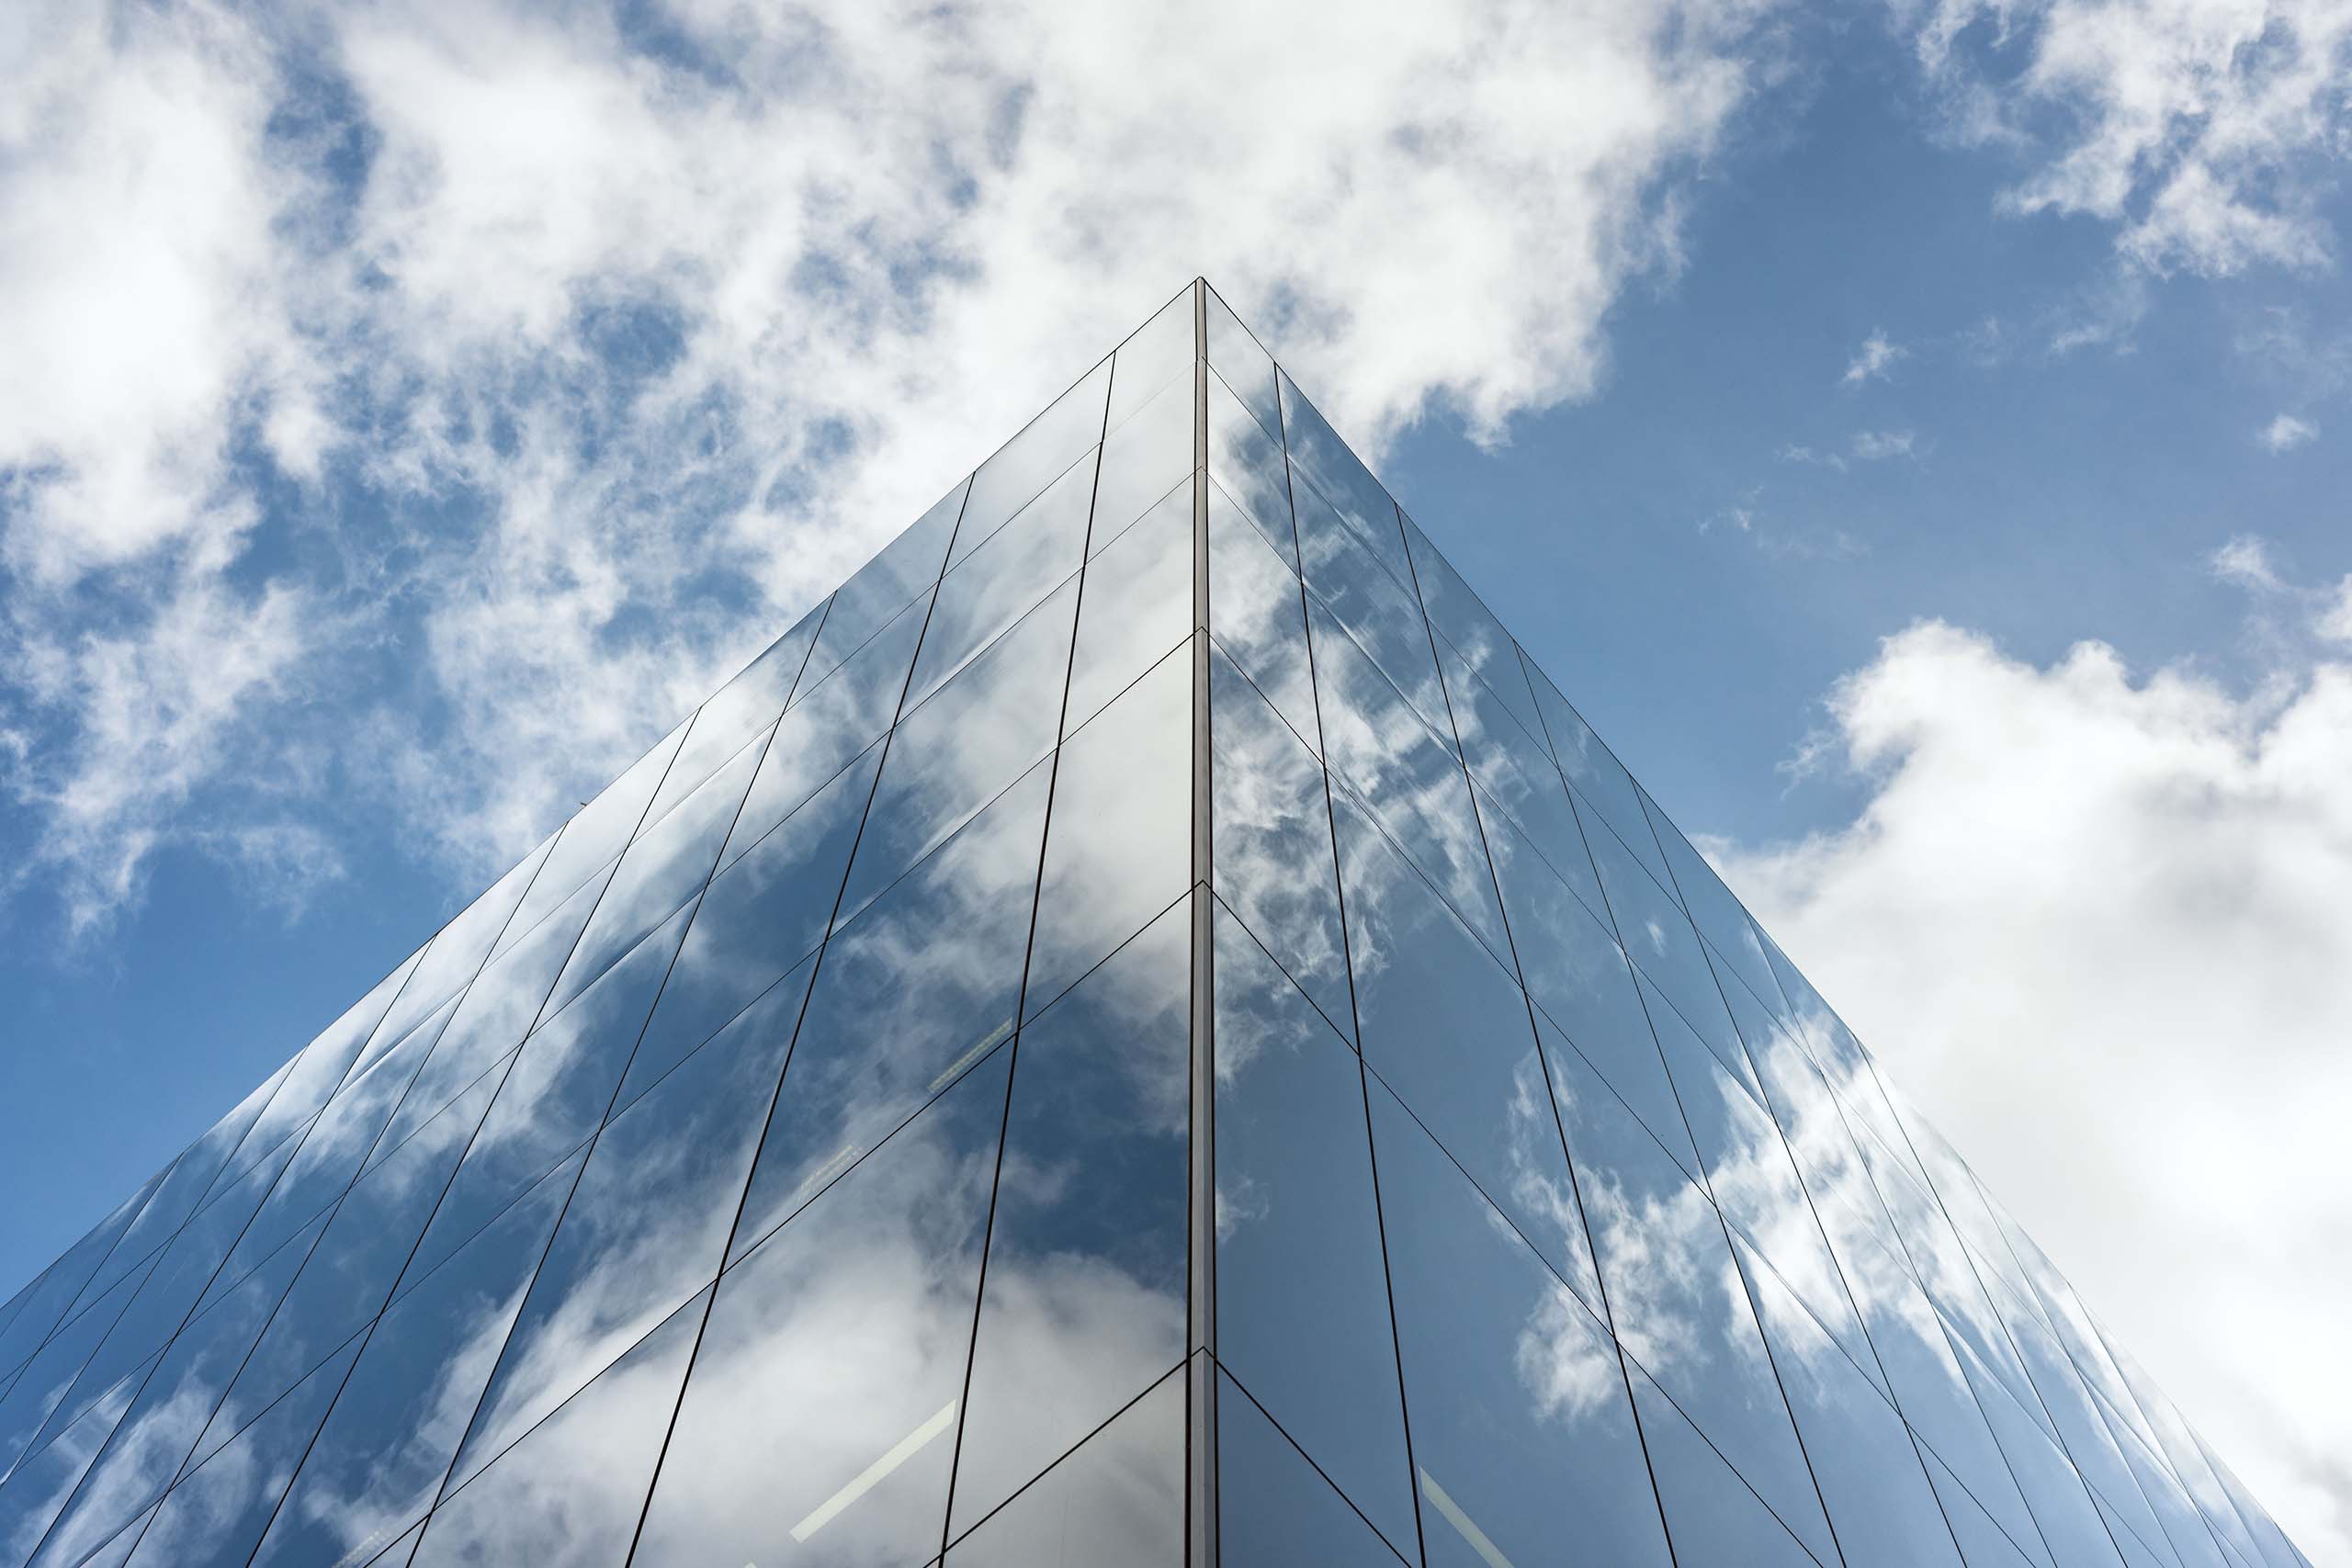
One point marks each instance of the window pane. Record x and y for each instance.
(1272, 838)
(1000, 581)
(739, 710)
(1136, 604)
(380, 1459)
(1246, 460)
(1258, 617)
(1319, 453)
(819, 1421)
(1470, 629)
(1676, 1298)
(1515, 774)
(1118, 1499)
(1399, 768)
(1245, 365)
(1119, 843)
(1145, 458)
(1713, 1517)
(1082, 1302)
(1272, 1509)
(1446, 1028)
(907, 568)
(1377, 610)
(951, 756)
(1031, 460)
(570, 1491)
(1302, 1289)
(1160, 350)
(828, 726)
(1523, 1440)
(906, 996)
(598, 832)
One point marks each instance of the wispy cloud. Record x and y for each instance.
(1874, 361)
(571, 359)
(1878, 446)
(2285, 432)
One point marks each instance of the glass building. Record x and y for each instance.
(1143, 1031)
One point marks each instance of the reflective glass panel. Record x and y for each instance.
(1031, 460)
(737, 711)
(598, 832)
(905, 568)
(1246, 460)
(1244, 363)
(1444, 1027)
(1145, 458)
(1379, 612)
(1594, 770)
(996, 584)
(1677, 1301)
(1138, 603)
(1273, 1508)
(818, 1420)
(1149, 359)
(1713, 1517)
(1524, 1446)
(1082, 1301)
(1258, 616)
(907, 996)
(1118, 1498)
(1272, 839)
(1302, 1289)
(1470, 631)
(1119, 841)
(1363, 505)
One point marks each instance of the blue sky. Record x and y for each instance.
(1913, 434)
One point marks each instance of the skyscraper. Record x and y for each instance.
(1144, 1029)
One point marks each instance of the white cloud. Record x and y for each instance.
(1878, 446)
(606, 357)
(2199, 129)
(1875, 359)
(2092, 922)
(2246, 561)
(2286, 433)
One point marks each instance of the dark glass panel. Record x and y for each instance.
(1715, 1518)
(1149, 359)
(497, 1011)
(1397, 767)
(1514, 772)
(598, 832)
(831, 724)
(1301, 1291)
(1136, 604)
(1145, 458)
(381, 1456)
(1476, 639)
(899, 575)
(1870, 1474)
(906, 996)
(741, 709)
(555, 1095)
(453, 958)
(1082, 1298)
(568, 1493)
(350, 1274)
(1258, 617)
(646, 1228)
(1676, 1299)
(1273, 1509)
(1244, 363)
(1246, 460)
(1119, 841)
(38, 1488)
(1377, 610)
(1027, 464)
(217, 1513)
(994, 587)
(662, 872)
(762, 916)
(151, 1442)
(1719, 916)
(1756, 1184)
(1363, 505)
(1443, 1025)
(1523, 1442)
(51, 1370)
(953, 755)
(818, 1422)
(1272, 836)
(1119, 1498)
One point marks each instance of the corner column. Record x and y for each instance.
(1200, 1462)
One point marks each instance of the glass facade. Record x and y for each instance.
(1143, 1031)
